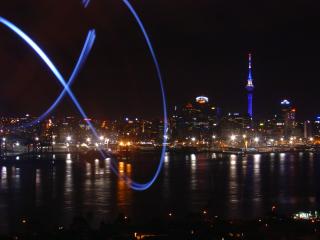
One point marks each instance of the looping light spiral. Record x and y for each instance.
(67, 90)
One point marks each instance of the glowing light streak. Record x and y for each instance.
(131, 183)
(66, 88)
(85, 3)
(84, 54)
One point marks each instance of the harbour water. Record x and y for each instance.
(53, 191)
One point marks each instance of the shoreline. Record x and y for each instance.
(55, 156)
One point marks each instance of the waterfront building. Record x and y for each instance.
(234, 124)
(197, 120)
(288, 114)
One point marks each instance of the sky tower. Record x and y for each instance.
(250, 88)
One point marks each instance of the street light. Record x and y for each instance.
(256, 139)
(233, 137)
(68, 138)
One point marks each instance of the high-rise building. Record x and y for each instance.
(307, 129)
(316, 126)
(289, 116)
(196, 119)
(250, 88)
(234, 124)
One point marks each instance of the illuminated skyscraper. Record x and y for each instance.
(250, 88)
(289, 117)
(196, 119)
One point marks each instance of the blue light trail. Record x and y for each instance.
(85, 3)
(66, 87)
(84, 54)
(139, 186)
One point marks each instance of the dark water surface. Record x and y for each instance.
(229, 186)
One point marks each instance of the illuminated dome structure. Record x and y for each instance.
(202, 99)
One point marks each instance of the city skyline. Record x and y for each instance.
(159, 119)
(119, 78)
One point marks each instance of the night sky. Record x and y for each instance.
(202, 46)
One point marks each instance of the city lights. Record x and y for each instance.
(215, 153)
(233, 137)
(196, 134)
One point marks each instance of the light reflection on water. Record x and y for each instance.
(166, 174)
(123, 191)
(3, 177)
(233, 183)
(229, 185)
(193, 176)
